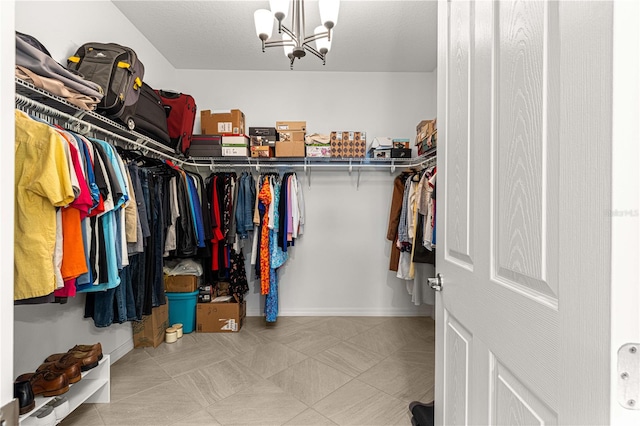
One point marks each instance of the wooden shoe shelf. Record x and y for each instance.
(94, 387)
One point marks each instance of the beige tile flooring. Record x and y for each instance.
(300, 371)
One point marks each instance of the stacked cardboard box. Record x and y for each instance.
(426, 136)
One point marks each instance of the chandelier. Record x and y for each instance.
(295, 41)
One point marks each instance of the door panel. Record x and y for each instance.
(521, 172)
(458, 343)
(510, 337)
(515, 405)
(459, 233)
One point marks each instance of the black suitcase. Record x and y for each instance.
(148, 116)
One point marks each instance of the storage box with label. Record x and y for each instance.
(263, 151)
(318, 151)
(150, 331)
(263, 135)
(262, 141)
(219, 122)
(180, 283)
(235, 140)
(402, 143)
(206, 146)
(293, 135)
(290, 149)
(300, 126)
(220, 317)
(235, 151)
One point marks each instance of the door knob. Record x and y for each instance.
(435, 283)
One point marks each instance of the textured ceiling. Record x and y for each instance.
(380, 36)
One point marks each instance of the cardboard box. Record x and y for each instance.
(294, 135)
(180, 283)
(263, 151)
(222, 122)
(234, 151)
(318, 151)
(423, 129)
(225, 317)
(290, 149)
(337, 149)
(348, 144)
(359, 144)
(150, 331)
(300, 126)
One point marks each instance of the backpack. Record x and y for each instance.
(116, 69)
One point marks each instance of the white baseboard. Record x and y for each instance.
(121, 351)
(417, 311)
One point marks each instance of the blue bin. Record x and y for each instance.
(182, 309)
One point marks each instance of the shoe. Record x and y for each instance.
(60, 405)
(46, 383)
(95, 348)
(44, 416)
(87, 360)
(24, 394)
(70, 367)
(423, 413)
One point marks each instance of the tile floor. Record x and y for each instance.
(300, 371)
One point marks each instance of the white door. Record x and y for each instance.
(7, 62)
(524, 319)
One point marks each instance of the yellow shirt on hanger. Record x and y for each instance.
(42, 183)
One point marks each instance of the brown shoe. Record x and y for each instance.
(87, 359)
(97, 348)
(69, 367)
(46, 383)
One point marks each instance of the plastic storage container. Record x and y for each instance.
(182, 309)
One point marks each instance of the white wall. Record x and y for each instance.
(62, 27)
(7, 60)
(340, 265)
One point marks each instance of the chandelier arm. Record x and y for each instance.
(314, 51)
(315, 37)
(278, 43)
(290, 33)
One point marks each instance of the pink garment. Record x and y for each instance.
(83, 201)
(289, 211)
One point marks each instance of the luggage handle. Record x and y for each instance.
(169, 94)
(167, 110)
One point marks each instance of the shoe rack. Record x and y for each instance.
(94, 388)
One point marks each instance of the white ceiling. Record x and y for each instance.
(378, 35)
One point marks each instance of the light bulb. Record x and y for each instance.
(323, 44)
(263, 19)
(288, 47)
(329, 12)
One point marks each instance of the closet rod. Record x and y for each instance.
(24, 103)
